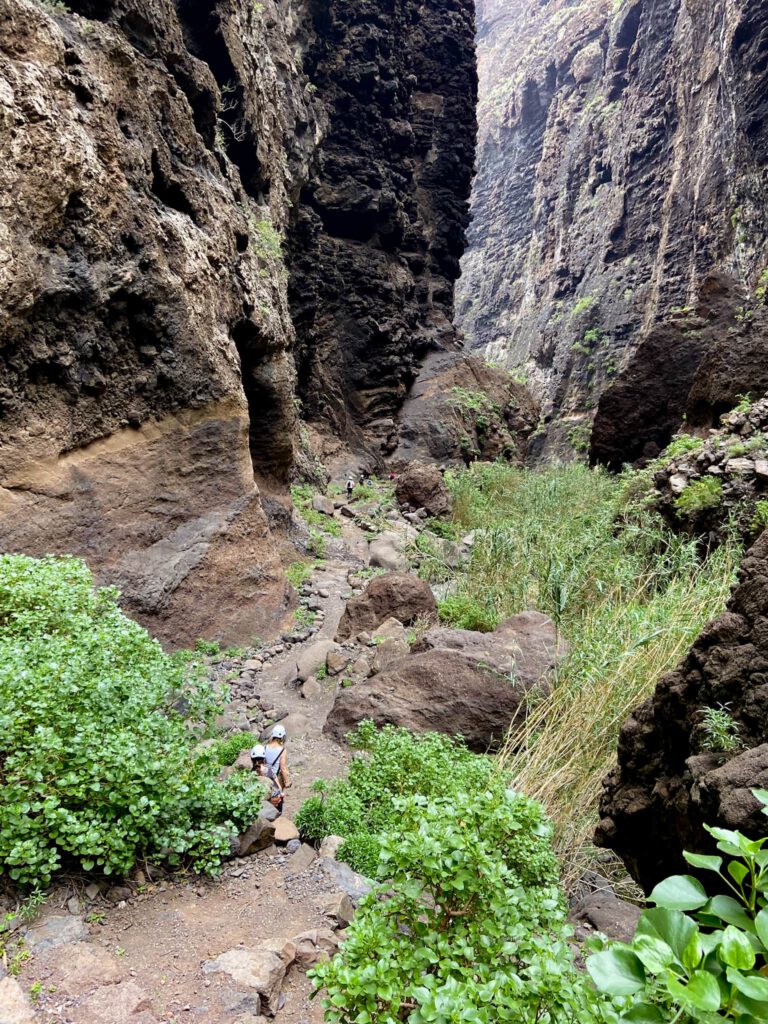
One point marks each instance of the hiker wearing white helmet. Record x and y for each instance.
(277, 758)
(259, 762)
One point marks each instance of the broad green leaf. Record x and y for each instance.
(655, 954)
(738, 871)
(679, 892)
(762, 796)
(617, 971)
(736, 949)
(729, 910)
(761, 927)
(705, 861)
(753, 986)
(692, 953)
(643, 1013)
(701, 992)
(672, 926)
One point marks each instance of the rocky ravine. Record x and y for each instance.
(619, 244)
(154, 156)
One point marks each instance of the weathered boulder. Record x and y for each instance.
(260, 969)
(313, 658)
(257, 837)
(670, 781)
(421, 485)
(388, 551)
(15, 1008)
(401, 596)
(457, 682)
(604, 912)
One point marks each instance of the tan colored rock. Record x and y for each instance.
(421, 485)
(126, 1001)
(253, 967)
(387, 653)
(285, 830)
(313, 658)
(339, 908)
(390, 629)
(337, 661)
(330, 846)
(304, 857)
(15, 1008)
(258, 837)
(311, 689)
(82, 967)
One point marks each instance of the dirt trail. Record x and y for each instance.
(141, 961)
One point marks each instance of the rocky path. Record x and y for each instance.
(149, 952)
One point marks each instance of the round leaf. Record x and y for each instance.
(654, 954)
(752, 985)
(702, 991)
(617, 971)
(736, 949)
(679, 892)
(704, 861)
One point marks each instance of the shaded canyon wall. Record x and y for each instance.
(155, 156)
(620, 232)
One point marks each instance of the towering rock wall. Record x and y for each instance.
(153, 155)
(376, 248)
(620, 233)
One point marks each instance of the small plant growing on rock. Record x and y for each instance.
(683, 444)
(699, 496)
(721, 732)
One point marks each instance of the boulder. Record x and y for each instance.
(667, 785)
(259, 836)
(337, 661)
(259, 969)
(324, 505)
(390, 629)
(341, 876)
(302, 859)
(56, 931)
(314, 946)
(387, 551)
(311, 690)
(285, 830)
(330, 846)
(388, 652)
(402, 596)
(457, 681)
(313, 658)
(339, 908)
(422, 486)
(125, 1001)
(15, 1008)
(604, 912)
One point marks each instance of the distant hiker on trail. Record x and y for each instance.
(259, 762)
(277, 757)
(350, 488)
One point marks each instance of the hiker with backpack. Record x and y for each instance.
(259, 762)
(270, 762)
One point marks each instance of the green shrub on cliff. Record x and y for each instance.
(98, 728)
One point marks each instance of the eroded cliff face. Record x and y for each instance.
(154, 154)
(620, 230)
(376, 247)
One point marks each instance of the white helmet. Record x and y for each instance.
(258, 753)
(278, 732)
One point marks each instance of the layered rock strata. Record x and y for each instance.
(153, 155)
(619, 243)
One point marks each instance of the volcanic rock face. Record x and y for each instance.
(153, 153)
(620, 235)
(671, 779)
(376, 248)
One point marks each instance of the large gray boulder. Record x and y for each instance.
(422, 486)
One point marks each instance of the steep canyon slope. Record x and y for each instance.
(155, 156)
(619, 245)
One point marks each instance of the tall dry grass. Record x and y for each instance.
(627, 595)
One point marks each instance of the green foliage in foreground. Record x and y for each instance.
(696, 958)
(98, 727)
(469, 926)
(392, 763)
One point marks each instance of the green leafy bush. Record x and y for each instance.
(699, 496)
(466, 612)
(681, 445)
(98, 727)
(393, 762)
(469, 925)
(695, 957)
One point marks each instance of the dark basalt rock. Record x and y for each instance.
(668, 784)
(619, 227)
(376, 245)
